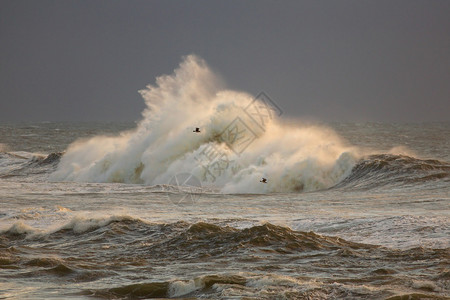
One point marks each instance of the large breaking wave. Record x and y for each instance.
(241, 140)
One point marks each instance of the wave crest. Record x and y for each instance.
(387, 169)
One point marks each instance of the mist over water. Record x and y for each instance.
(293, 158)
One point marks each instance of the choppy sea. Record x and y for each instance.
(380, 231)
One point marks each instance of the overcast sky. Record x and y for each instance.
(325, 60)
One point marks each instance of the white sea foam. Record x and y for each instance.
(179, 288)
(293, 158)
(78, 224)
(20, 227)
(427, 285)
(81, 224)
(260, 282)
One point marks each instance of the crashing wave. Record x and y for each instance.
(240, 141)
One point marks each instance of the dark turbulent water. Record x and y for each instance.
(382, 232)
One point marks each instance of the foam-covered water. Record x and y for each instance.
(99, 210)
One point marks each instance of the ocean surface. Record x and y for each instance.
(158, 209)
(379, 233)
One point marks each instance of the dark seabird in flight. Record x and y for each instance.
(264, 180)
(196, 129)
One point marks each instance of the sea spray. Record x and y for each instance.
(293, 158)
